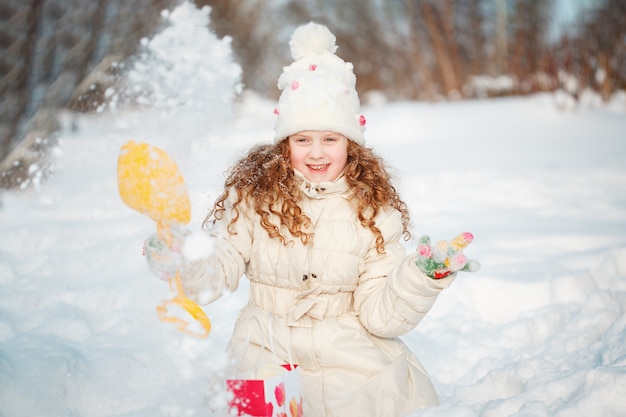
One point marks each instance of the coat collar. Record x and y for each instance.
(323, 189)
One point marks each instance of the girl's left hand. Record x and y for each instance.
(445, 257)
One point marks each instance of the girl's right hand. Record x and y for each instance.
(165, 261)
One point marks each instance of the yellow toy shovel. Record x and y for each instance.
(150, 183)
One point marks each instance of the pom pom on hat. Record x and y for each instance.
(318, 88)
(311, 39)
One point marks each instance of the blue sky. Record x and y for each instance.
(567, 13)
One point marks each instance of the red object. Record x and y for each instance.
(439, 275)
(248, 396)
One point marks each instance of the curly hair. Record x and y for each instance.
(264, 177)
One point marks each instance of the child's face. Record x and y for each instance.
(320, 156)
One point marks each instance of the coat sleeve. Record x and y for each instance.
(393, 295)
(206, 279)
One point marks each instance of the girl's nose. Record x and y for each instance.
(317, 150)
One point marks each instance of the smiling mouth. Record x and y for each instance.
(318, 167)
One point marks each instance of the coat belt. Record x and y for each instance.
(300, 307)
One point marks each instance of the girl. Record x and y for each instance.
(315, 224)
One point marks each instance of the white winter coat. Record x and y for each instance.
(336, 304)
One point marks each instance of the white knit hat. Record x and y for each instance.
(318, 88)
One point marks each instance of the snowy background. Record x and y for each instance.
(539, 331)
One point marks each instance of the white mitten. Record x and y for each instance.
(163, 260)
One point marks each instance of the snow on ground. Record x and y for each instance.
(539, 331)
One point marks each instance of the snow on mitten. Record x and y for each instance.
(445, 258)
(164, 261)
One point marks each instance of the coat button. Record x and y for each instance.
(304, 277)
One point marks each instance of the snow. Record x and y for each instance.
(540, 330)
